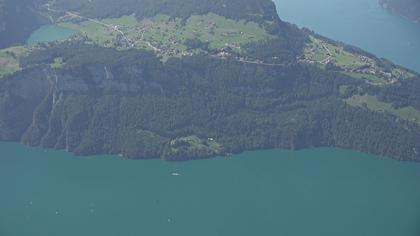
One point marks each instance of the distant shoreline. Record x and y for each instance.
(384, 4)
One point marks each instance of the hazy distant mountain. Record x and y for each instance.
(407, 8)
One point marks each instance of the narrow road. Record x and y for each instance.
(326, 60)
(237, 59)
(73, 14)
(155, 49)
(259, 63)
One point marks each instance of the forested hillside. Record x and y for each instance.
(182, 80)
(18, 18)
(129, 103)
(235, 9)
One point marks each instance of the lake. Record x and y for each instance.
(49, 33)
(312, 192)
(326, 191)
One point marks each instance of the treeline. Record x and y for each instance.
(234, 9)
(403, 94)
(260, 11)
(76, 53)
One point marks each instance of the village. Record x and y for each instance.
(167, 38)
(336, 58)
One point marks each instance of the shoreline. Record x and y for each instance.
(393, 11)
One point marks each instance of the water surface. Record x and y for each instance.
(325, 192)
(49, 33)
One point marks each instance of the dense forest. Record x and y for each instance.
(88, 99)
(130, 103)
(249, 10)
(18, 18)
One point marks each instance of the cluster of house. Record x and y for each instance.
(368, 65)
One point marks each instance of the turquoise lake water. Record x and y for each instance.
(49, 33)
(359, 22)
(326, 192)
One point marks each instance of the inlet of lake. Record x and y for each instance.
(325, 191)
(49, 33)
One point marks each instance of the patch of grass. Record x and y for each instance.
(100, 34)
(343, 89)
(167, 36)
(372, 103)
(401, 73)
(358, 66)
(221, 32)
(9, 60)
(342, 58)
(195, 144)
(368, 77)
(58, 63)
(127, 21)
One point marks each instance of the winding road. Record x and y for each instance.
(155, 49)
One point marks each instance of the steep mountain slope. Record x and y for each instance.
(161, 79)
(18, 18)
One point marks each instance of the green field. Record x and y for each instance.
(9, 60)
(367, 77)
(167, 36)
(372, 103)
(194, 144)
(321, 53)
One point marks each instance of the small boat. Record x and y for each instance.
(175, 174)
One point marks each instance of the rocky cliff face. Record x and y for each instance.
(181, 110)
(90, 99)
(20, 95)
(68, 110)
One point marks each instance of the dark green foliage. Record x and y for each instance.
(401, 95)
(276, 50)
(130, 103)
(19, 100)
(196, 44)
(262, 10)
(18, 18)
